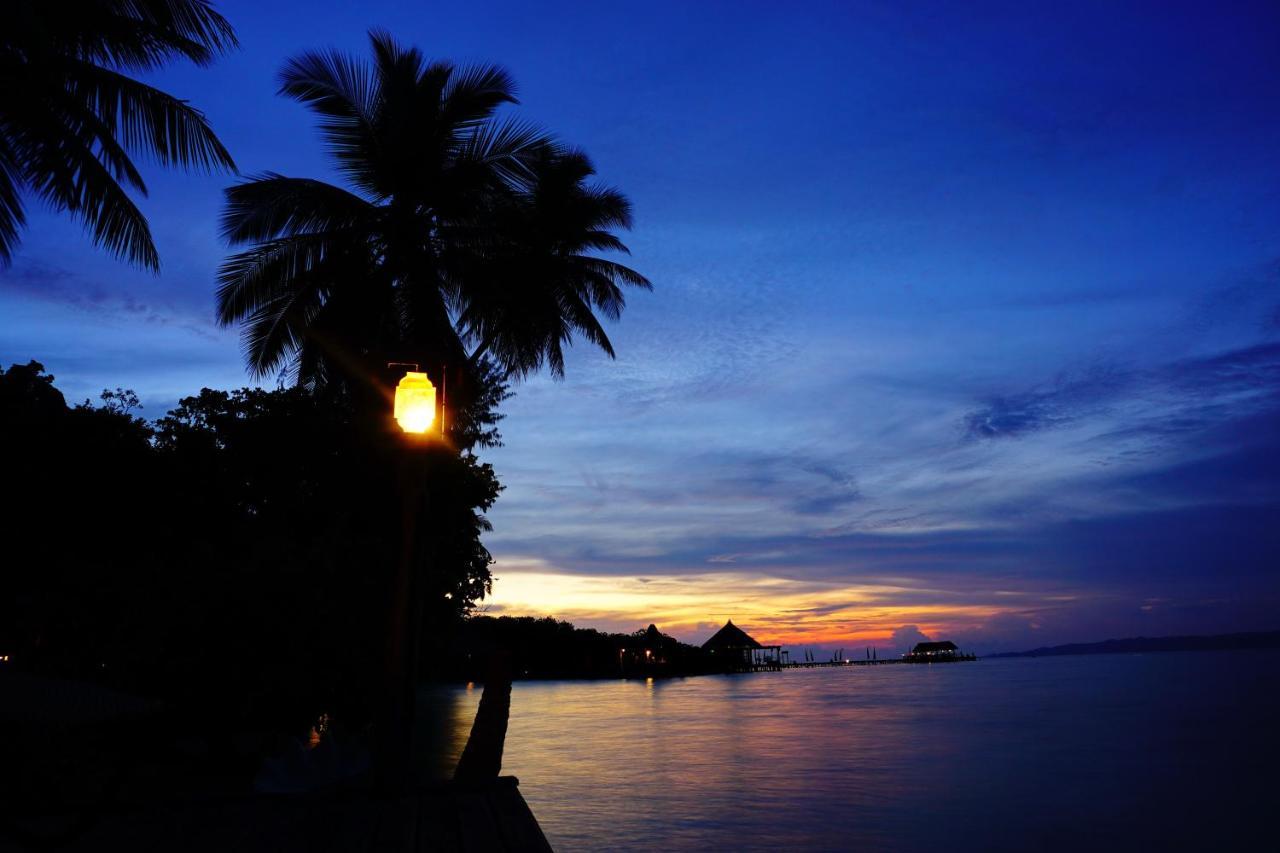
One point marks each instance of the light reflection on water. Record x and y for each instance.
(444, 723)
(1107, 752)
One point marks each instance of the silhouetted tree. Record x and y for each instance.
(77, 483)
(231, 558)
(122, 400)
(71, 117)
(463, 234)
(549, 648)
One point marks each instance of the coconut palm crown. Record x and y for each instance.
(71, 117)
(461, 236)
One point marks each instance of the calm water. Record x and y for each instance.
(1165, 751)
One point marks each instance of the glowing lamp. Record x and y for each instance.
(415, 407)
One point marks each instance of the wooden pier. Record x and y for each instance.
(884, 662)
(813, 664)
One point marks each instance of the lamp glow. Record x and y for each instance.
(415, 406)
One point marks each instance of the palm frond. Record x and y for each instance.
(273, 333)
(600, 241)
(190, 22)
(507, 147)
(318, 309)
(12, 216)
(63, 112)
(392, 60)
(332, 84)
(271, 205)
(608, 207)
(130, 34)
(114, 221)
(615, 272)
(601, 292)
(70, 119)
(150, 120)
(567, 167)
(249, 280)
(345, 93)
(583, 319)
(69, 177)
(474, 92)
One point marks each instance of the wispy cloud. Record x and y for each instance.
(44, 282)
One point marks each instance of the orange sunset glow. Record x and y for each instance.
(776, 609)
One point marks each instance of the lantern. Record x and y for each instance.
(415, 407)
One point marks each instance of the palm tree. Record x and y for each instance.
(70, 116)
(538, 285)
(460, 240)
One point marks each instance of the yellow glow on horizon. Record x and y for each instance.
(415, 405)
(690, 606)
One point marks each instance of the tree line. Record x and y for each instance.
(230, 557)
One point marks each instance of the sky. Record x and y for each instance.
(965, 321)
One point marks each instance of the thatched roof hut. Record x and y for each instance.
(730, 637)
(738, 651)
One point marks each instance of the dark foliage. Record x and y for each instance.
(72, 119)
(234, 557)
(550, 648)
(462, 234)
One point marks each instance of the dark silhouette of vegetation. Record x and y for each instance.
(231, 559)
(464, 236)
(550, 648)
(235, 558)
(72, 119)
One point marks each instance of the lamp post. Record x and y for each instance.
(415, 411)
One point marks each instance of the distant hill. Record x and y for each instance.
(1216, 642)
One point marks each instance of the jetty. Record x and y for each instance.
(927, 652)
(734, 650)
(813, 664)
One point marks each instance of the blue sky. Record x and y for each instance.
(966, 317)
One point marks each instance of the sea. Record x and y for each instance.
(1165, 751)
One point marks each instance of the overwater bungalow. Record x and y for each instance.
(940, 652)
(737, 651)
